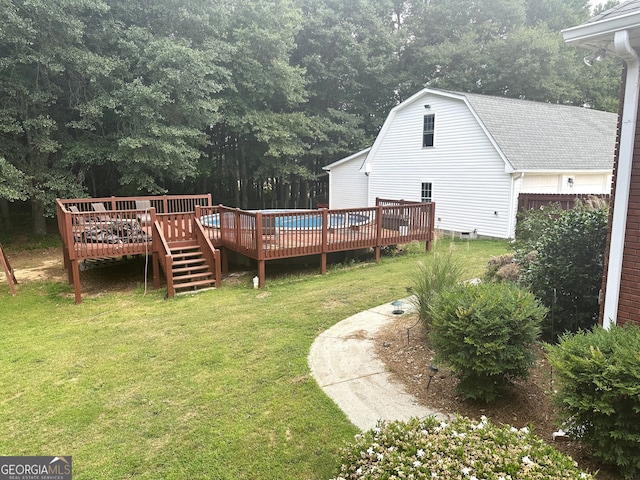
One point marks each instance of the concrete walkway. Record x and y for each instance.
(343, 361)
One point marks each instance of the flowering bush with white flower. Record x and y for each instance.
(461, 449)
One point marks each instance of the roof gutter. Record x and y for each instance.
(598, 34)
(624, 50)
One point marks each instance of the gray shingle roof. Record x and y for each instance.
(617, 11)
(546, 136)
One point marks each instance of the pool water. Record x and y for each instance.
(307, 221)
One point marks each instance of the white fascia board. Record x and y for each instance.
(598, 34)
(346, 159)
(366, 166)
(563, 170)
(508, 167)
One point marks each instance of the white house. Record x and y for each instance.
(474, 154)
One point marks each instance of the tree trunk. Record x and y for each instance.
(244, 182)
(37, 213)
(4, 215)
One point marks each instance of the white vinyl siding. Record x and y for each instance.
(583, 183)
(348, 184)
(473, 189)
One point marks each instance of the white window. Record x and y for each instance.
(426, 192)
(428, 130)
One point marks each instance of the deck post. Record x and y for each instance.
(155, 265)
(378, 246)
(218, 272)
(262, 276)
(224, 260)
(168, 261)
(238, 231)
(325, 240)
(74, 272)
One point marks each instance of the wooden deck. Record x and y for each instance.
(166, 224)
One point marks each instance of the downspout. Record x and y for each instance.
(513, 216)
(625, 51)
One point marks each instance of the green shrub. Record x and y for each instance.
(567, 268)
(599, 392)
(485, 333)
(532, 224)
(461, 449)
(436, 274)
(502, 268)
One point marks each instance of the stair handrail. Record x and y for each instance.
(161, 248)
(211, 254)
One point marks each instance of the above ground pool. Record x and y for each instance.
(310, 220)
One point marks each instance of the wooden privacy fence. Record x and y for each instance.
(531, 201)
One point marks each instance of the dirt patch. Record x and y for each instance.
(37, 265)
(403, 347)
(96, 278)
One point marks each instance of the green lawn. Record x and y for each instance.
(214, 385)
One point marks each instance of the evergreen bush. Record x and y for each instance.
(461, 449)
(566, 271)
(485, 333)
(599, 392)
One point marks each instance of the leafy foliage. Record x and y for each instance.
(599, 392)
(428, 448)
(566, 273)
(485, 333)
(249, 99)
(436, 274)
(532, 224)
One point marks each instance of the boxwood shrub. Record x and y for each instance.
(486, 333)
(460, 449)
(598, 392)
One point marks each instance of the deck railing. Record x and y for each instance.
(141, 225)
(284, 234)
(211, 254)
(162, 254)
(162, 204)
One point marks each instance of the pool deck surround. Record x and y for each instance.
(173, 229)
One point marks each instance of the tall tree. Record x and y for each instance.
(500, 47)
(40, 68)
(261, 130)
(144, 123)
(348, 55)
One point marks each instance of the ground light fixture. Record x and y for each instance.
(432, 373)
(398, 307)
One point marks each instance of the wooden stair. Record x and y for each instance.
(190, 270)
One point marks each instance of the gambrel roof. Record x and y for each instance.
(547, 136)
(530, 136)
